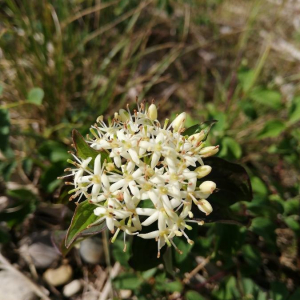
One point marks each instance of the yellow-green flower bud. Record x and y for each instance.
(209, 151)
(203, 171)
(152, 112)
(179, 121)
(123, 115)
(207, 187)
(197, 137)
(110, 167)
(205, 206)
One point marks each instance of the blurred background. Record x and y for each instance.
(64, 63)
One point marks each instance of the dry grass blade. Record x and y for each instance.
(116, 22)
(87, 11)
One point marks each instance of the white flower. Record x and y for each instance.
(146, 164)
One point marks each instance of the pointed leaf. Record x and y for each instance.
(232, 180)
(233, 185)
(83, 149)
(58, 241)
(220, 215)
(205, 126)
(83, 217)
(58, 238)
(168, 262)
(144, 251)
(127, 282)
(272, 128)
(266, 97)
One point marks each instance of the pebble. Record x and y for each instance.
(42, 255)
(91, 250)
(125, 294)
(58, 276)
(72, 288)
(14, 287)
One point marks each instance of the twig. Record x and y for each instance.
(36, 289)
(196, 270)
(107, 288)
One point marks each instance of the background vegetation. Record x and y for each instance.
(64, 63)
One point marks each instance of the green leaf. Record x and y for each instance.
(293, 223)
(265, 228)
(23, 203)
(168, 262)
(35, 96)
(258, 186)
(182, 245)
(58, 240)
(272, 128)
(246, 78)
(192, 295)
(54, 151)
(248, 109)
(279, 291)
(294, 114)
(145, 248)
(266, 97)
(127, 282)
(171, 287)
(118, 253)
(251, 256)
(228, 289)
(83, 217)
(291, 205)
(1, 90)
(4, 129)
(296, 295)
(205, 126)
(233, 185)
(232, 180)
(83, 149)
(230, 146)
(49, 180)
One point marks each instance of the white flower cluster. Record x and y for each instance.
(149, 175)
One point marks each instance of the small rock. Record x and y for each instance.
(42, 255)
(58, 276)
(72, 288)
(3, 203)
(125, 294)
(13, 286)
(38, 249)
(91, 250)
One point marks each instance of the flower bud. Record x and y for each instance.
(207, 187)
(197, 137)
(152, 112)
(99, 211)
(100, 119)
(110, 167)
(179, 121)
(205, 206)
(209, 151)
(123, 115)
(202, 171)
